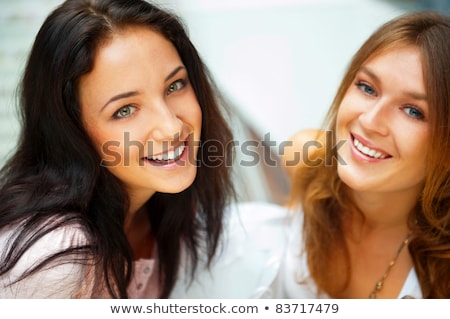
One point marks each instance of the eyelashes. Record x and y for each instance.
(414, 112)
(366, 88)
(124, 112)
(410, 110)
(176, 86)
(128, 110)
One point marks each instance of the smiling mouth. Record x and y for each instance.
(168, 157)
(369, 151)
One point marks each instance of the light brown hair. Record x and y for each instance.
(324, 198)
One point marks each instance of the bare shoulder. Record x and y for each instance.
(296, 151)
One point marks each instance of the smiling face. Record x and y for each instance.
(384, 119)
(142, 114)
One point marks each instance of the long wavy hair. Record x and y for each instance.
(324, 198)
(55, 179)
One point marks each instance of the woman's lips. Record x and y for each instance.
(168, 157)
(363, 147)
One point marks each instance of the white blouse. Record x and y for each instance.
(249, 258)
(294, 280)
(245, 266)
(56, 280)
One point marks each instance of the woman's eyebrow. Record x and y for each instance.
(118, 97)
(134, 93)
(174, 72)
(369, 72)
(412, 94)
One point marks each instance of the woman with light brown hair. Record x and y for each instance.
(374, 185)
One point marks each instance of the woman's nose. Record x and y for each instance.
(375, 117)
(168, 125)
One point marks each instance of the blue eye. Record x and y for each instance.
(176, 86)
(366, 88)
(414, 112)
(124, 112)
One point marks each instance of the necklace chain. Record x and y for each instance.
(380, 283)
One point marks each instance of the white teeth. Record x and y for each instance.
(170, 155)
(367, 151)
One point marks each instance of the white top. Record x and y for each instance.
(252, 249)
(247, 264)
(57, 280)
(294, 270)
(69, 280)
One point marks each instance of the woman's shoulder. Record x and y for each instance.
(64, 276)
(300, 144)
(55, 239)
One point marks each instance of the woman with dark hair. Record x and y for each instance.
(375, 196)
(109, 190)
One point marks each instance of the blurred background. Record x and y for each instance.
(277, 62)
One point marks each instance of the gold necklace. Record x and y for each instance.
(380, 283)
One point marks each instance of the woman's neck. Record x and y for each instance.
(140, 236)
(383, 211)
(138, 227)
(137, 199)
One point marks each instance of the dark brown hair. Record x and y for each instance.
(55, 173)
